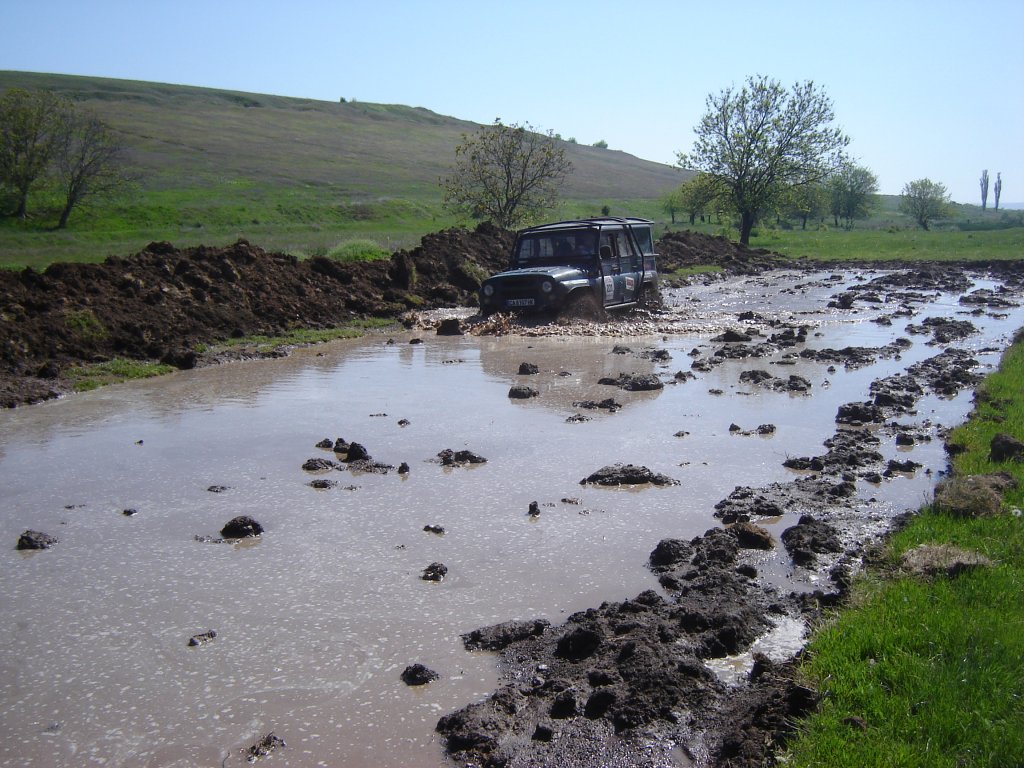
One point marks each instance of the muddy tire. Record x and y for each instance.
(582, 305)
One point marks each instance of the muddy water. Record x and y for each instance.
(317, 619)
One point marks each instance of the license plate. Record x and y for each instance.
(520, 302)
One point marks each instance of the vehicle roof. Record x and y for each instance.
(602, 221)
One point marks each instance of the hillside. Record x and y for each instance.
(184, 136)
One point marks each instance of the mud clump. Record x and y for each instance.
(809, 538)
(417, 674)
(1006, 447)
(434, 572)
(627, 474)
(241, 527)
(35, 540)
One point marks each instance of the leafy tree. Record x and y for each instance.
(984, 189)
(761, 139)
(998, 189)
(506, 173)
(30, 123)
(852, 191)
(699, 194)
(925, 200)
(806, 201)
(601, 144)
(671, 204)
(90, 162)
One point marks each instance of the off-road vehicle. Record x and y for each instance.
(581, 266)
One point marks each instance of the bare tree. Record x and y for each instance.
(506, 173)
(761, 139)
(29, 136)
(90, 162)
(998, 189)
(984, 189)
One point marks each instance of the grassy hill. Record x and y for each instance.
(290, 173)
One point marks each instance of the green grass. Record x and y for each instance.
(291, 175)
(896, 245)
(359, 249)
(931, 672)
(89, 377)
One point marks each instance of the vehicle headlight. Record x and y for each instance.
(546, 286)
(488, 290)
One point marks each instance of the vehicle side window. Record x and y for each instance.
(609, 257)
(629, 259)
(643, 238)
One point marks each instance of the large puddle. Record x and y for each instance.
(317, 619)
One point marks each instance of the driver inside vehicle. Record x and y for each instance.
(583, 247)
(562, 249)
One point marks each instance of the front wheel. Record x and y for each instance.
(582, 305)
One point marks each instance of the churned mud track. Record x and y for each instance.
(632, 683)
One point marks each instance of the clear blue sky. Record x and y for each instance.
(925, 88)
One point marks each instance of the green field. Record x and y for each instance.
(293, 175)
(898, 245)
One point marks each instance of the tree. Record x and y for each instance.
(90, 162)
(670, 203)
(984, 189)
(852, 191)
(998, 189)
(925, 200)
(699, 194)
(506, 173)
(30, 124)
(806, 201)
(761, 139)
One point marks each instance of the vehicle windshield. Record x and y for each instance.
(555, 248)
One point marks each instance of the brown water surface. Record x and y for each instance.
(316, 620)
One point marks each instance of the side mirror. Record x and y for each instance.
(606, 252)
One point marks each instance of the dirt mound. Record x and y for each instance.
(163, 302)
(677, 250)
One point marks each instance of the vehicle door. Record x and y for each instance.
(630, 268)
(610, 270)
